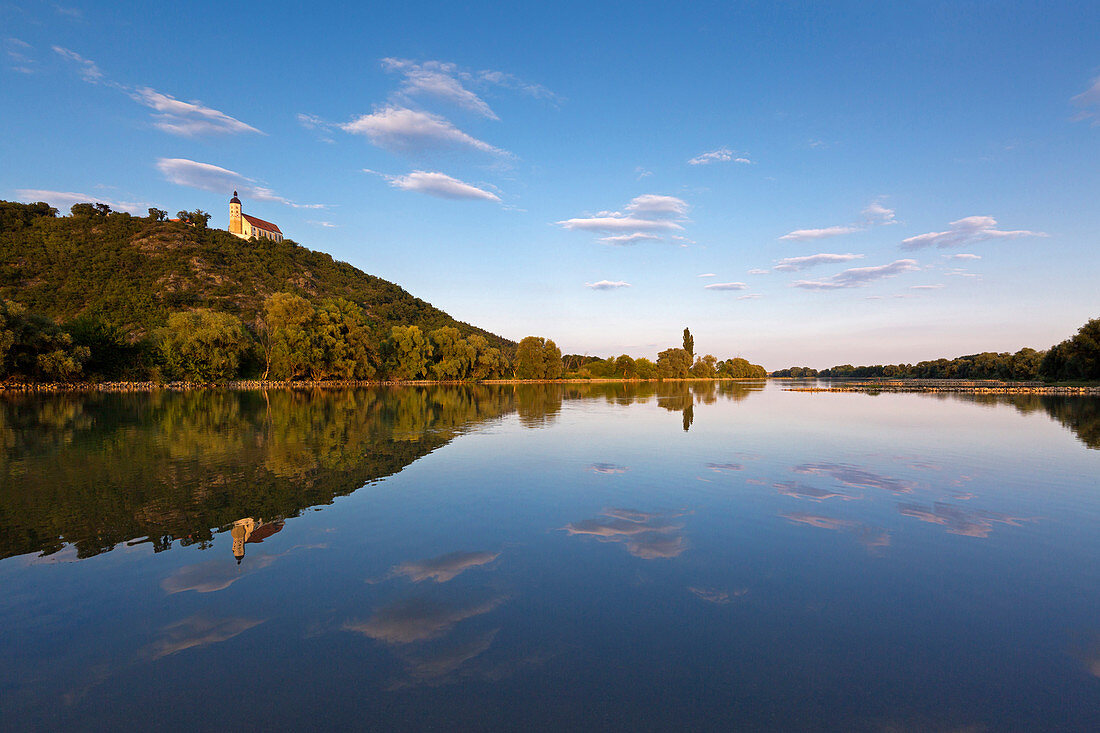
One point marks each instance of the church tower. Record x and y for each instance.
(235, 225)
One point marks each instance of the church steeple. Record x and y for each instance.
(236, 226)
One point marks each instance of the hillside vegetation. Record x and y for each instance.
(132, 272)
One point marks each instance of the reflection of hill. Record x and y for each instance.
(95, 470)
(1079, 414)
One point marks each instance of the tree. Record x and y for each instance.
(33, 346)
(451, 355)
(197, 218)
(689, 343)
(287, 340)
(158, 214)
(538, 358)
(1076, 358)
(102, 209)
(704, 367)
(488, 361)
(83, 211)
(341, 341)
(407, 353)
(624, 367)
(673, 364)
(203, 345)
(644, 368)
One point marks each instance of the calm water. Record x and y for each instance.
(605, 557)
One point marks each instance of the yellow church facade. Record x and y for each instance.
(246, 226)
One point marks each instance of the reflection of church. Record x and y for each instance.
(251, 530)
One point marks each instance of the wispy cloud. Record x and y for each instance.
(403, 130)
(619, 240)
(758, 271)
(324, 224)
(721, 155)
(649, 217)
(875, 214)
(795, 264)
(208, 177)
(188, 118)
(171, 115)
(963, 256)
(439, 185)
(726, 286)
(926, 287)
(85, 67)
(858, 276)
(969, 230)
(750, 296)
(16, 50)
(707, 274)
(607, 285)
(801, 235)
(1089, 103)
(64, 200)
(440, 80)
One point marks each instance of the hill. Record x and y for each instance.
(133, 272)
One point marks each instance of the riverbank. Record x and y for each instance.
(957, 386)
(252, 384)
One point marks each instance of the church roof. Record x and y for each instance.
(234, 200)
(261, 224)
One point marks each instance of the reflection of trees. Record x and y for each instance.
(98, 469)
(1079, 414)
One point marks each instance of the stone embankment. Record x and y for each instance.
(953, 385)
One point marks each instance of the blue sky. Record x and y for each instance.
(800, 183)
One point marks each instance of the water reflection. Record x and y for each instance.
(445, 567)
(873, 539)
(856, 477)
(419, 619)
(956, 520)
(197, 631)
(647, 535)
(182, 466)
(802, 491)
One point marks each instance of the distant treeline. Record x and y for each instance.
(673, 363)
(1075, 359)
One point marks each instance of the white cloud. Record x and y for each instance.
(750, 296)
(654, 205)
(87, 68)
(1089, 102)
(188, 118)
(758, 271)
(721, 155)
(647, 217)
(642, 172)
(624, 239)
(325, 224)
(403, 130)
(607, 285)
(876, 213)
(726, 286)
(794, 264)
(511, 81)
(802, 235)
(968, 230)
(858, 276)
(438, 79)
(707, 274)
(172, 115)
(63, 200)
(925, 287)
(963, 256)
(207, 177)
(15, 48)
(440, 185)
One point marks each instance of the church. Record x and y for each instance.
(246, 227)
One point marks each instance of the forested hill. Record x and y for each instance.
(132, 272)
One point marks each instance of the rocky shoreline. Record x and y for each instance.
(953, 386)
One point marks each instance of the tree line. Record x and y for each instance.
(1075, 359)
(672, 363)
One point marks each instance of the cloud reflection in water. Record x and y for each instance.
(647, 535)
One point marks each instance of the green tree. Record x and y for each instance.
(34, 347)
(625, 368)
(1077, 358)
(407, 353)
(287, 337)
(452, 357)
(488, 361)
(203, 346)
(158, 214)
(644, 368)
(673, 364)
(551, 360)
(341, 341)
(197, 218)
(538, 358)
(689, 343)
(704, 367)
